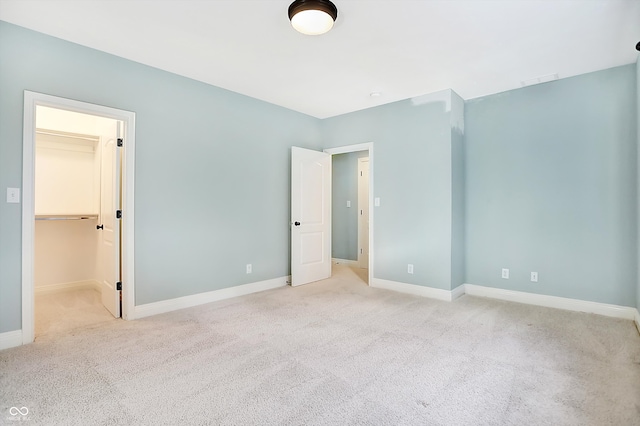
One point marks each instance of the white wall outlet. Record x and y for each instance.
(348, 203)
(410, 268)
(534, 277)
(13, 195)
(376, 201)
(249, 268)
(505, 273)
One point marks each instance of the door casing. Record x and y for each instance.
(31, 100)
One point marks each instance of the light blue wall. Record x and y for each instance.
(212, 168)
(551, 187)
(457, 192)
(344, 220)
(457, 210)
(413, 222)
(542, 178)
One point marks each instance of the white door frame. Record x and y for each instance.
(31, 100)
(368, 146)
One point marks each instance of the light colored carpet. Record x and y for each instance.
(333, 353)
(65, 311)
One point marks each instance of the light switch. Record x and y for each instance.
(376, 202)
(348, 203)
(13, 195)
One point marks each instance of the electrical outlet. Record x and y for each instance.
(348, 203)
(534, 277)
(410, 268)
(505, 273)
(249, 268)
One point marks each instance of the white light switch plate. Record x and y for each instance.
(13, 195)
(348, 203)
(376, 201)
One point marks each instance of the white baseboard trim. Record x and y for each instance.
(163, 306)
(567, 304)
(10, 339)
(344, 261)
(457, 292)
(417, 290)
(76, 285)
(615, 311)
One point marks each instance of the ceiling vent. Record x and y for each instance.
(537, 80)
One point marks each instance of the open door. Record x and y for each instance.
(310, 216)
(363, 212)
(109, 204)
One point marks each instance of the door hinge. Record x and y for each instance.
(120, 142)
(118, 214)
(119, 286)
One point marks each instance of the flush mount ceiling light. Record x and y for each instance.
(312, 17)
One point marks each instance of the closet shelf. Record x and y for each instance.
(66, 216)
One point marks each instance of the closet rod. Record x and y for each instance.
(67, 135)
(66, 217)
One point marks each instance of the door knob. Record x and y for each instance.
(99, 226)
(297, 223)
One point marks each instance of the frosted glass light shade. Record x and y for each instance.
(312, 17)
(312, 22)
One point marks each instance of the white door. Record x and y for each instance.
(363, 212)
(310, 216)
(110, 241)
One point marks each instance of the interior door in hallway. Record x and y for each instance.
(310, 216)
(363, 212)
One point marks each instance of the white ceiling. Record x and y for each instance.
(399, 48)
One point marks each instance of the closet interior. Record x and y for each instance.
(70, 258)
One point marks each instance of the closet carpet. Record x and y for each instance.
(65, 311)
(335, 352)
